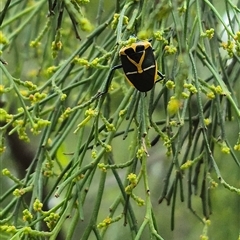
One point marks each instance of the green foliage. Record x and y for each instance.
(102, 164)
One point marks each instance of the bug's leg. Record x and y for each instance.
(109, 79)
(162, 76)
(100, 93)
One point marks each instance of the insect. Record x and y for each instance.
(139, 66)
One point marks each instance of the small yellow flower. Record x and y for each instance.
(207, 121)
(27, 216)
(37, 205)
(173, 105)
(132, 177)
(85, 24)
(237, 147)
(211, 95)
(91, 112)
(225, 149)
(209, 33)
(3, 39)
(186, 165)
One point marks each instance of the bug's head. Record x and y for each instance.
(135, 50)
(131, 50)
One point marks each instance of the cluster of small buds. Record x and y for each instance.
(207, 223)
(19, 192)
(170, 49)
(6, 172)
(141, 153)
(129, 41)
(115, 20)
(56, 44)
(38, 125)
(108, 148)
(27, 216)
(109, 126)
(85, 24)
(81, 61)
(229, 47)
(20, 126)
(30, 85)
(37, 205)
(95, 63)
(210, 95)
(102, 166)
(225, 149)
(122, 113)
(105, 223)
(91, 112)
(2, 89)
(48, 168)
(78, 178)
(167, 141)
(173, 123)
(213, 90)
(203, 237)
(65, 115)
(182, 10)
(63, 97)
(51, 70)
(5, 89)
(8, 228)
(4, 116)
(158, 35)
(2, 147)
(187, 165)
(23, 135)
(27, 84)
(185, 95)
(56, 47)
(140, 202)
(237, 42)
(169, 152)
(51, 220)
(94, 154)
(35, 44)
(170, 84)
(237, 37)
(132, 177)
(213, 184)
(128, 189)
(209, 33)
(191, 88)
(237, 147)
(3, 39)
(218, 90)
(37, 97)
